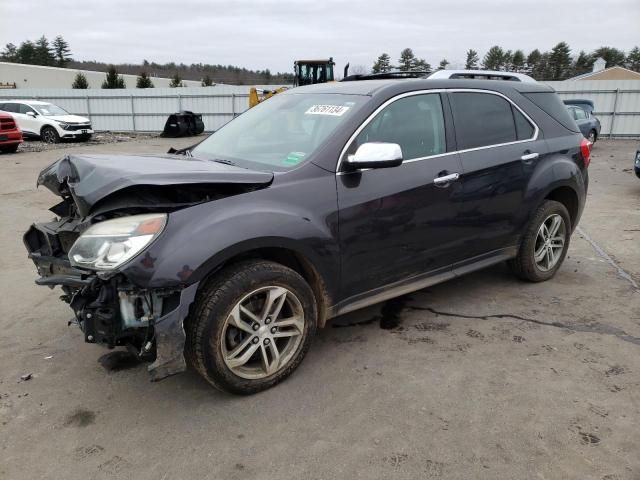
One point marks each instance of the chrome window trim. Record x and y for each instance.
(370, 118)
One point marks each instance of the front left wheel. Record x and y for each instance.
(49, 135)
(251, 327)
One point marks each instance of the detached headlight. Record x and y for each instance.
(109, 244)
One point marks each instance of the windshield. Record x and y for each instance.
(280, 133)
(50, 110)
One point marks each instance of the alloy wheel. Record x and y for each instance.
(49, 136)
(550, 242)
(263, 332)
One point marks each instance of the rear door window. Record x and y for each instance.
(25, 108)
(482, 119)
(580, 114)
(524, 129)
(416, 123)
(11, 107)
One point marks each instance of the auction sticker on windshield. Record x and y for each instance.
(335, 110)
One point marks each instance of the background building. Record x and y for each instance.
(36, 76)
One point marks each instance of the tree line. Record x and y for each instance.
(58, 54)
(556, 64)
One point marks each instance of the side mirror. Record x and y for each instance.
(31, 114)
(375, 155)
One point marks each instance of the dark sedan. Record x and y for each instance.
(582, 113)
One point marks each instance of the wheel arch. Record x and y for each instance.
(567, 196)
(289, 257)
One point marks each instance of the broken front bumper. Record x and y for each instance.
(108, 308)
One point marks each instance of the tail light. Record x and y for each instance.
(585, 150)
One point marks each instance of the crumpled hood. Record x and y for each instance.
(90, 178)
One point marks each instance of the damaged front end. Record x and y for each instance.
(111, 212)
(108, 308)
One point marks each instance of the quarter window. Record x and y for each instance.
(416, 123)
(483, 119)
(580, 114)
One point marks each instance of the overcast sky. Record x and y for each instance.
(261, 34)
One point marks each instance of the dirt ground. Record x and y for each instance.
(484, 377)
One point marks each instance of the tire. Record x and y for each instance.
(525, 266)
(593, 136)
(213, 337)
(9, 148)
(49, 134)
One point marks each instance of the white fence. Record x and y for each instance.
(617, 103)
(144, 110)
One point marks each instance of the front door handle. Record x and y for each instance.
(445, 180)
(528, 157)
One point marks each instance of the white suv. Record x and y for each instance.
(47, 121)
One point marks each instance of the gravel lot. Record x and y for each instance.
(483, 377)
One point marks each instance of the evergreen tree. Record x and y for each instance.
(420, 65)
(26, 53)
(176, 81)
(472, 60)
(407, 59)
(560, 61)
(443, 64)
(382, 64)
(113, 80)
(494, 59)
(533, 59)
(10, 53)
(583, 64)
(207, 81)
(633, 59)
(80, 82)
(143, 81)
(517, 61)
(542, 70)
(507, 59)
(43, 52)
(61, 51)
(611, 55)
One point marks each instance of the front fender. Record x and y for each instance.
(199, 239)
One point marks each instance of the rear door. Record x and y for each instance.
(499, 150)
(396, 223)
(31, 123)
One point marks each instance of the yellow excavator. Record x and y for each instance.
(307, 72)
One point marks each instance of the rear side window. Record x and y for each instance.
(580, 114)
(524, 129)
(550, 103)
(25, 108)
(416, 123)
(11, 107)
(482, 119)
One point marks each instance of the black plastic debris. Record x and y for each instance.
(183, 124)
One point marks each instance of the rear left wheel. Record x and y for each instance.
(544, 244)
(251, 327)
(593, 136)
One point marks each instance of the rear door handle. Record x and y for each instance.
(445, 179)
(528, 157)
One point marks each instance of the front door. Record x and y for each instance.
(396, 222)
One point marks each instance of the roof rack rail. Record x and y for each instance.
(387, 75)
(481, 75)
